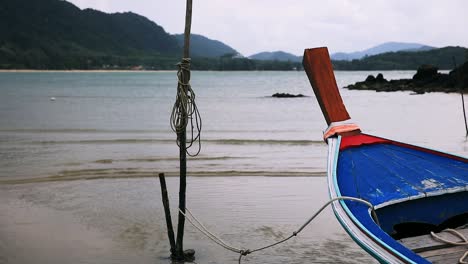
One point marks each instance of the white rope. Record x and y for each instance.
(462, 259)
(455, 243)
(455, 232)
(207, 233)
(244, 252)
(185, 108)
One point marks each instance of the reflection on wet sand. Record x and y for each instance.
(122, 221)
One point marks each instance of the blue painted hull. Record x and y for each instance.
(406, 184)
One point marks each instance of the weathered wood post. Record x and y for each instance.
(460, 79)
(167, 212)
(182, 138)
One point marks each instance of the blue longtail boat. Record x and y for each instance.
(413, 190)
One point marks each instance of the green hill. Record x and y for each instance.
(201, 46)
(276, 55)
(379, 49)
(53, 34)
(407, 60)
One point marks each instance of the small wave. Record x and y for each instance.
(106, 97)
(85, 130)
(212, 141)
(156, 159)
(104, 161)
(137, 131)
(106, 141)
(265, 142)
(113, 173)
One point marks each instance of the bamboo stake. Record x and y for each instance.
(464, 112)
(182, 137)
(167, 212)
(458, 78)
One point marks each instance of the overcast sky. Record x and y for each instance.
(252, 26)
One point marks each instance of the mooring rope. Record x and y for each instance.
(455, 243)
(185, 109)
(244, 252)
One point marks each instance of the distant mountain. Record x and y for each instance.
(201, 46)
(276, 55)
(55, 34)
(382, 48)
(407, 60)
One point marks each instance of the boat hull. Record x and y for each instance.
(398, 196)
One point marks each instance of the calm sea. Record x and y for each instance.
(116, 124)
(112, 124)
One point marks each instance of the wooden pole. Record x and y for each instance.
(464, 111)
(167, 212)
(182, 137)
(459, 79)
(188, 25)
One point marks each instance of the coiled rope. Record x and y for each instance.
(464, 242)
(244, 252)
(185, 109)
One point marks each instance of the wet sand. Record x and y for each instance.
(122, 221)
(102, 71)
(32, 233)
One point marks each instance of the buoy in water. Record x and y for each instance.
(52, 98)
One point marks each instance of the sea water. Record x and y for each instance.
(118, 123)
(108, 125)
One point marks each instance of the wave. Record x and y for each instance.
(177, 158)
(137, 131)
(157, 159)
(105, 141)
(107, 97)
(112, 173)
(265, 141)
(85, 130)
(212, 141)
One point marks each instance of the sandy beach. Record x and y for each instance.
(33, 233)
(122, 221)
(84, 71)
(87, 163)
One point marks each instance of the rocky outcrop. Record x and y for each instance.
(426, 79)
(461, 75)
(287, 95)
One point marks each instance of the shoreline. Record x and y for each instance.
(133, 71)
(122, 221)
(55, 178)
(83, 71)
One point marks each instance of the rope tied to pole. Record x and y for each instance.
(185, 109)
(244, 252)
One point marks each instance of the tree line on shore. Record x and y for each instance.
(56, 35)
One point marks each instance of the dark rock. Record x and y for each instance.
(425, 72)
(459, 76)
(370, 78)
(427, 79)
(379, 84)
(380, 78)
(287, 95)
